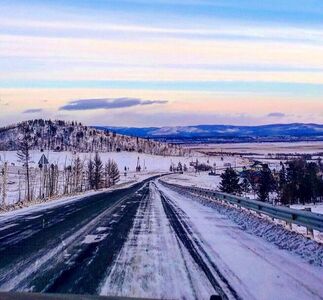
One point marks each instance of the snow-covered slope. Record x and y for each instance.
(73, 136)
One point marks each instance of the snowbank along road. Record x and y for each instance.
(147, 241)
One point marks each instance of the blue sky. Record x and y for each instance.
(239, 62)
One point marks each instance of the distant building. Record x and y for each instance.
(257, 166)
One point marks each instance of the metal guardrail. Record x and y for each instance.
(310, 220)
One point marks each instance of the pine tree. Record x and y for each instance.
(114, 173)
(281, 184)
(282, 176)
(230, 182)
(107, 171)
(265, 184)
(90, 174)
(98, 171)
(245, 186)
(310, 183)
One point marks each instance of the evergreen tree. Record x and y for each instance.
(310, 183)
(230, 182)
(245, 185)
(295, 172)
(281, 184)
(98, 171)
(265, 184)
(90, 174)
(112, 174)
(107, 171)
(282, 176)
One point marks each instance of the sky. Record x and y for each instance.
(162, 62)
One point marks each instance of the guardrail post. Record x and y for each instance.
(309, 231)
(289, 225)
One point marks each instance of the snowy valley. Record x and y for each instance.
(108, 206)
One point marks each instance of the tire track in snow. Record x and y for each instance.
(154, 262)
(285, 275)
(35, 271)
(255, 251)
(182, 230)
(96, 257)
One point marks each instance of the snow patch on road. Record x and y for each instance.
(153, 262)
(94, 238)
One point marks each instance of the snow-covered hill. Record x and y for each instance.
(72, 136)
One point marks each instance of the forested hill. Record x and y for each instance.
(73, 136)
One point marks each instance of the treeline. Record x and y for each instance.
(73, 136)
(296, 182)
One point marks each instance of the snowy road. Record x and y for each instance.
(254, 268)
(147, 241)
(66, 248)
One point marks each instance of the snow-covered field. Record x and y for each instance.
(201, 179)
(316, 208)
(124, 159)
(150, 164)
(264, 148)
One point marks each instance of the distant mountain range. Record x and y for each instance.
(226, 133)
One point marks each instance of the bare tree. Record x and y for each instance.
(24, 157)
(53, 180)
(77, 174)
(4, 173)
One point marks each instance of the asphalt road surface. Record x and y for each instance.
(145, 241)
(68, 248)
